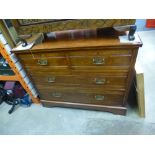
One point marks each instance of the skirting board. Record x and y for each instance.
(112, 109)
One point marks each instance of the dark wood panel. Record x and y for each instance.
(113, 109)
(102, 97)
(87, 95)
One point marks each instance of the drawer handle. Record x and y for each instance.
(98, 61)
(56, 94)
(51, 79)
(99, 97)
(42, 62)
(99, 81)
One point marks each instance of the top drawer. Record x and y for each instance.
(74, 59)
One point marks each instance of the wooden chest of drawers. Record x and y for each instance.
(89, 73)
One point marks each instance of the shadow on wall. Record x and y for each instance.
(141, 25)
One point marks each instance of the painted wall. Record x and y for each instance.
(141, 25)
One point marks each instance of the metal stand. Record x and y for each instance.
(17, 76)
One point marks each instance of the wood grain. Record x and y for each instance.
(97, 80)
(73, 66)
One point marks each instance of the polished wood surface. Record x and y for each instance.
(82, 95)
(81, 44)
(111, 61)
(91, 73)
(95, 80)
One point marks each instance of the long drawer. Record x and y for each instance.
(79, 95)
(80, 61)
(95, 80)
(98, 59)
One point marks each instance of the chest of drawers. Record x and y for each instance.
(88, 73)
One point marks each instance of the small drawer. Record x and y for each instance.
(43, 62)
(43, 59)
(100, 61)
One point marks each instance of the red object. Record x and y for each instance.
(150, 23)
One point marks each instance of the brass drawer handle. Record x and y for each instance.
(56, 94)
(51, 79)
(100, 81)
(98, 61)
(42, 62)
(99, 97)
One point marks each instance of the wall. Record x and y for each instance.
(141, 25)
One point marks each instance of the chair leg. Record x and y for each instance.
(15, 102)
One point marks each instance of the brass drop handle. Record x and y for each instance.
(51, 79)
(99, 97)
(98, 61)
(99, 81)
(56, 94)
(42, 62)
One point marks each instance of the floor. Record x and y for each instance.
(39, 120)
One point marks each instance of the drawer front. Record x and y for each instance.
(101, 61)
(111, 98)
(45, 62)
(121, 65)
(98, 59)
(98, 80)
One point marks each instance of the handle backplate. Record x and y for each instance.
(99, 97)
(42, 62)
(100, 81)
(98, 61)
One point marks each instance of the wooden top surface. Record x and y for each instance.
(112, 41)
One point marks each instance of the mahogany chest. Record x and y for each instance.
(93, 73)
